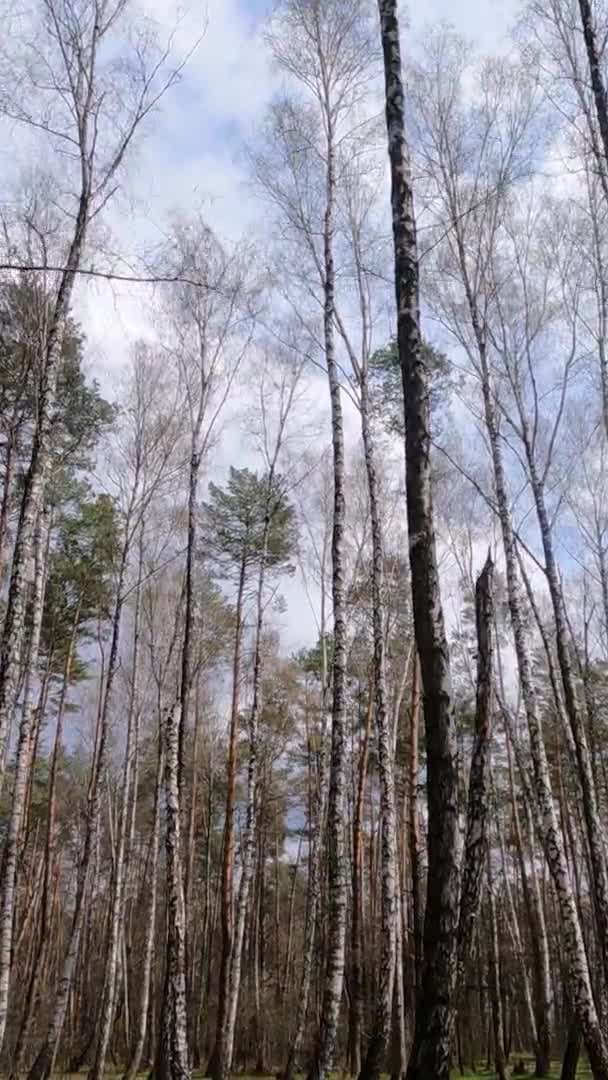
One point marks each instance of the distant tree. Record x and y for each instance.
(80, 414)
(78, 599)
(387, 385)
(248, 526)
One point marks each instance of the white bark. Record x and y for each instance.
(146, 972)
(23, 765)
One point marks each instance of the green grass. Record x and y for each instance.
(583, 1072)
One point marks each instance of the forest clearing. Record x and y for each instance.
(304, 539)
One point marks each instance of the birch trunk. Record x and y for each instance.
(381, 1033)
(336, 920)
(413, 828)
(23, 766)
(518, 948)
(44, 942)
(478, 809)
(316, 832)
(173, 1058)
(538, 935)
(45, 1060)
(172, 1062)
(593, 824)
(498, 1026)
(118, 879)
(553, 842)
(431, 1051)
(249, 840)
(146, 974)
(227, 900)
(356, 1004)
(284, 982)
(600, 96)
(11, 642)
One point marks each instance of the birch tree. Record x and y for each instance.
(472, 189)
(431, 1050)
(73, 86)
(325, 50)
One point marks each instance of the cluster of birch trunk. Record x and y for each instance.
(384, 852)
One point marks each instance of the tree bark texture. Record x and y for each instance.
(431, 1051)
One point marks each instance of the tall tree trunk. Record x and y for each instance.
(518, 946)
(249, 839)
(478, 809)
(227, 900)
(572, 1052)
(431, 1051)
(356, 992)
(413, 829)
(45, 1060)
(7, 486)
(191, 951)
(595, 834)
(108, 1001)
(538, 936)
(336, 920)
(13, 631)
(498, 1026)
(600, 96)
(553, 842)
(284, 983)
(172, 1062)
(382, 1028)
(147, 968)
(44, 929)
(23, 765)
(316, 834)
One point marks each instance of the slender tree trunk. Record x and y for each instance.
(22, 769)
(336, 919)
(518, 946)
(498, 1027)
(383, 1020)
(356, 994)
(572, 1054)
(600, 96)
(592, 817)
(553, 843)
(147, 968)
(316, 831)
(478, 810)
(431, 1051)
(543, 1025)
(45, 1060)
(192, 996)
(44, 943)
(7, 488)
(213, 1068)
(415, 852)
(399, 1036)
(118, 878)
(172, 1061)
(11, 641)
(289, 947)
(249, 839)
(173, 1058)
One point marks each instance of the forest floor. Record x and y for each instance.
(583, 1073)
